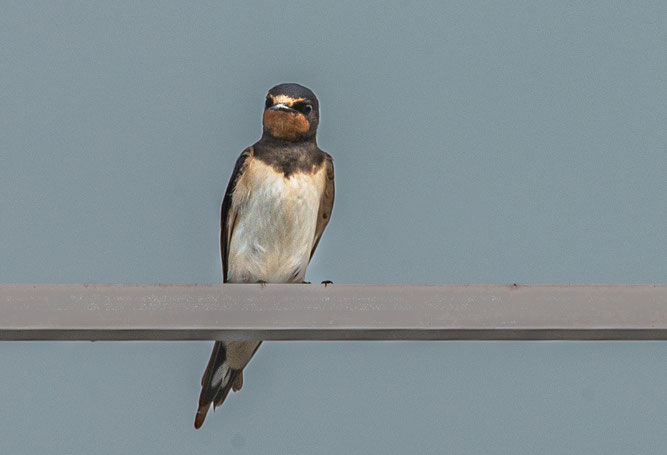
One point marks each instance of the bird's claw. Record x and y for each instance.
(326, 282)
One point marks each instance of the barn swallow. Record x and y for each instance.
(277, 204)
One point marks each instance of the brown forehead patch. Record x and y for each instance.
(286, 100)
(288, 126)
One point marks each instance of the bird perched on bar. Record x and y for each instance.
(277, 204)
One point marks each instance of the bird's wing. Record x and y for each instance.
(227, 213)
(326, 202)
(225, 367)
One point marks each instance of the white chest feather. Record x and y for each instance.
(275, 225)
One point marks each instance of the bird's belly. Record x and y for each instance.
(275, 228)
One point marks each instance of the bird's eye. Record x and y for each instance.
(269, 102)
(304, 108)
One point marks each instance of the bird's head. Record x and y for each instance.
(291, 113)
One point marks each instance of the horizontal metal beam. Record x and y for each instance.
(335, 312)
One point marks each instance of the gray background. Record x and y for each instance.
(474, 142)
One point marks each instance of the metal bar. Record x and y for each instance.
(336, 312)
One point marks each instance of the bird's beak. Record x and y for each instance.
(280, 107)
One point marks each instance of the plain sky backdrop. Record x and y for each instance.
(474, 142)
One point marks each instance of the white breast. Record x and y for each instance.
(275, 226)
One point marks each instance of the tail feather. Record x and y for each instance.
(218, 399)
(224, 389)
(211, 362)
(220, 375)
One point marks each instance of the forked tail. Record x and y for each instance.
(224, 372)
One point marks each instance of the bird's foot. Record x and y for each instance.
(326, 283)
(262, 283)
(306, 282)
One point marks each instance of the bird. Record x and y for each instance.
(277, 204)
